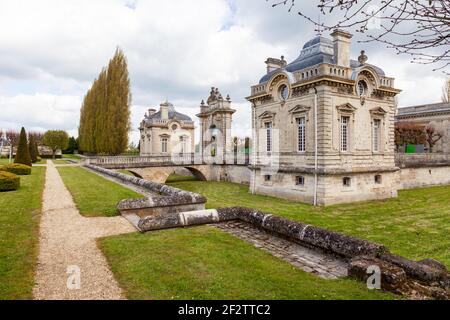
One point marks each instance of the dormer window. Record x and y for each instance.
(362, 88)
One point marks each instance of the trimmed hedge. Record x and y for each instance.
(9, 181)
(17, 168)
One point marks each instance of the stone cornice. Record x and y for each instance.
(331, 171)
(327, 80)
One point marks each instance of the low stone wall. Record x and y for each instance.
(162, 199)
(426, 176)
(414, 160)
(423, 279)
(237, 173)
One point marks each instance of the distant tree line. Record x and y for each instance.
(105, 112)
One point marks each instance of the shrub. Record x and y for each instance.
(23, 152)
(9, 181)
(32, 149)
(38, 159)
(17, 168)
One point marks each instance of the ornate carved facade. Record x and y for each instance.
(324, 126)
(215, 128)
(166, 132)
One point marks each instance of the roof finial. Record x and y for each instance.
(363, 58)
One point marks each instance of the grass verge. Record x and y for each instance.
(94, 195)
(206, 263)
(19, 236)
(415, 225)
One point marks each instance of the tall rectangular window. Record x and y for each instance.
(268, 126)
(164, 142)
(376, 134)
(345, 122)
(183, 144)
(301, 123)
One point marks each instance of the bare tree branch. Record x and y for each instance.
(418, 28)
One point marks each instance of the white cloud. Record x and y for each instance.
(40, 112)
(51, 50)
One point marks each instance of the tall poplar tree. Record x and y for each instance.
(105, 112)
(119, 100)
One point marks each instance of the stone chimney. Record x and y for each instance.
(164, 110)
(274, 64)
(151, 112)
(341, 40)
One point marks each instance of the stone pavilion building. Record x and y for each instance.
(166, 132)
(324, 126)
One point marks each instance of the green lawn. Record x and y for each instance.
(60, 161)
(94, 195)
(19, 227)
(206, 263)
(179, 178)
(128, 173)
(416, 224)
(6, 161)
(72, 157)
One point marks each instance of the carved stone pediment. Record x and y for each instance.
(267, 115)
(299, 109)
(276, 80)
(346, 107)
(378, 111)
(164, 135)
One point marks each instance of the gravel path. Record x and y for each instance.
(68, 242)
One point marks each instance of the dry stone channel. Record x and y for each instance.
(309, 260)
(320, 251)
(160, 199)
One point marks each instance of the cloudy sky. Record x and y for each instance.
(51, 50)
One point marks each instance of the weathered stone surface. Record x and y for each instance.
(415, 269)
(226, 214)
(396, 280)
(165, 221)
(307, 259)
(307, 247)
(317, 237)
(199, 217)
(164, 196)
(393, 278)
(432, 263)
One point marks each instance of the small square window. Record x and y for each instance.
(267, 177)
(300, 181)
(347, 182)
(378, 179)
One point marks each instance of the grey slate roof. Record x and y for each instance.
(315, 51)
(424, 109)
(172, 115)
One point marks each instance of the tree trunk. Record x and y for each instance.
(54, 154)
